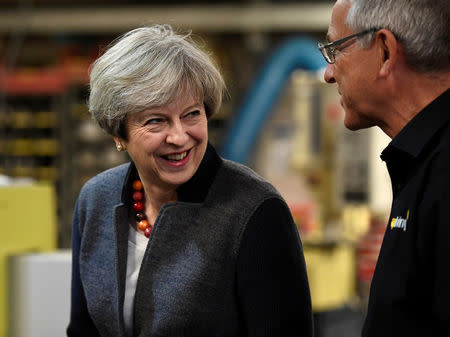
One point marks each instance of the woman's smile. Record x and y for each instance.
(176, 159)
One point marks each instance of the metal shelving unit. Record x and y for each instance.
(247, 18)
(240, 34)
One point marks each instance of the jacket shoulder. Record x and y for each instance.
(242, 182)
(105, 184)
(245, 175)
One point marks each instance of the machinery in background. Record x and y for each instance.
(326, 174)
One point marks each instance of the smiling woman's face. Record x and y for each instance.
(168, 143)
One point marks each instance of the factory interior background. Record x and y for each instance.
(279, 118)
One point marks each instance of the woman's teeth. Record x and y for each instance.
(177, 156)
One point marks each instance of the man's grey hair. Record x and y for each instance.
(150, 67)
(422, 26)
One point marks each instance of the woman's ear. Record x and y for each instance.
(389, 51)
(120, 144)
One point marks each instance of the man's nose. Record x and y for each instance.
(329, 74)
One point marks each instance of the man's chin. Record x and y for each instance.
(352, 127)
(357, 124)
(354, 124)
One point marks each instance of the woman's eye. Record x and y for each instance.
(153, 121)
(193, 113)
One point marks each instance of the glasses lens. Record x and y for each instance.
(327, 54)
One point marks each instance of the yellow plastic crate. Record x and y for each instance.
(331, 275)
(27, 224)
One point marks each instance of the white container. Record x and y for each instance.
(39, 294)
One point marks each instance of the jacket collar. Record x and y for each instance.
(194, 190)
(418, 133)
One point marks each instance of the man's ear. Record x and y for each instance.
(388, 47)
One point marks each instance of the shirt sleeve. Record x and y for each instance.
(441, 251)
(80, 321)
(272, 281)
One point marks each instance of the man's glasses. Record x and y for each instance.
(328, 50)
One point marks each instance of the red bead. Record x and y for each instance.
(138, 206)
(147, 231)
(139, 216)
(142, 225)
(137, 185)
(138, 196)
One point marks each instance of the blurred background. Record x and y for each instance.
(279, 118)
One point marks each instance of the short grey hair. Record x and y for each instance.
(149, 67)
(422, 26)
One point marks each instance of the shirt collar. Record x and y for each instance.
(194, 190)
(415, 136)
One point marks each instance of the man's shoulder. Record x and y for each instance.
(442, 144)
(441, 157)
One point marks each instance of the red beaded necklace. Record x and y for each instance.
(139, 208)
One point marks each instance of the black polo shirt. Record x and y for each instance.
(410, 291)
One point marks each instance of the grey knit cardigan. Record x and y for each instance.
(186, 285)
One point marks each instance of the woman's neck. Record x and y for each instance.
(155, 197)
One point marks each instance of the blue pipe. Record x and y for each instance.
(294, 54)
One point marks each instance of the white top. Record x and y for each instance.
(137, 243)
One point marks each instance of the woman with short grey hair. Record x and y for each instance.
(146, 68)
(178, 242)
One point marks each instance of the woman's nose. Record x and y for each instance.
(177, 134)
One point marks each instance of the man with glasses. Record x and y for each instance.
(390, 60)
